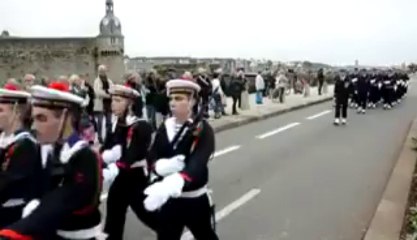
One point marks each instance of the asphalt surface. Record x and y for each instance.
(305, 180)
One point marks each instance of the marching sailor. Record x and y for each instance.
(342, 88)
(363, 90)
(125, 151)
(68, 209)
(179, 157)
(374, 85)
(21, 168)
(388, 89)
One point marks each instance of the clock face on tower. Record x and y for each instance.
(106, 21)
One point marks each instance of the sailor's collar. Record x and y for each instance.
(6, 140)
(73, 144)
(171, 126)
(132, 119)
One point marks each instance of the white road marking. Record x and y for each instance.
(228, 209)
(226, 150)
(319, 115)
(219, 153)
(278, 130)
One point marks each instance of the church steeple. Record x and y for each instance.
(109, 8)
(110, 24)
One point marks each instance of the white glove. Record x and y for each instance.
(110, 173)
(168, 166)
(112, 155)
(157, 197)
(160, 192)
(30, 207)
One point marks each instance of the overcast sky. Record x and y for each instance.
(376, 32)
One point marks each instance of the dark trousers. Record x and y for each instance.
(205, 104)
(235, 99)
(362, 97)
(193, 213)
(341, 106)
(386, 95)
(239, 100)
(10, 215)
(320, 86)
(374, 95)
(127, 190)
(281, 92)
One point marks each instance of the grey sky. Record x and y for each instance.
(333, 31)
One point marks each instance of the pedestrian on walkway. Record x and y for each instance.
(235, 90)
(320, 78)
(281, 82)
(260, 87)
(217, 95)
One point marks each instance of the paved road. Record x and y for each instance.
(297, 176)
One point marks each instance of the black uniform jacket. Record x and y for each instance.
(72, 198)
(197, 146)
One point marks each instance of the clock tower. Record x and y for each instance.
(110, 44)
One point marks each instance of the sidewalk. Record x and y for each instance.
(267, 109)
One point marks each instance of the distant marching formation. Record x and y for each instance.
(368, 89)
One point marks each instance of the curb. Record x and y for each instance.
(252, 119)
(388, 219)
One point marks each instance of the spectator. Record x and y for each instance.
(29, 81)
(102, 103)
(260, 87)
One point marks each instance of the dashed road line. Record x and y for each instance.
(229, 209)
(318, 115)
(278, 130)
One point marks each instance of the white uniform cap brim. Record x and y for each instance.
(180, 83)
(118, 89)
(55, 95)
(13, 93)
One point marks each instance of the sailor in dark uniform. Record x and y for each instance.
(363, 90)
(354, 98)
(126, 148)
(20, 165)
(179, 162)
(387, 89)
(374, 90)
(342, 88)
(68, 209)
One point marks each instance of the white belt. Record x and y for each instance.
(81, 234)
(138, 164)
(196, 193)
(14, 203)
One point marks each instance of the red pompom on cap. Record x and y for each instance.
(59, 86)
(10, 86)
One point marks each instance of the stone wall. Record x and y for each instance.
(47, 57)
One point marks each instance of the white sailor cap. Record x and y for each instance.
(11, 93)
(187, 86)
(56, 95)
(125, 91)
